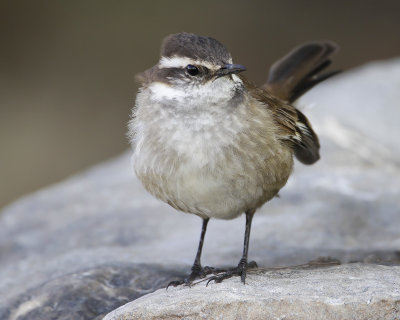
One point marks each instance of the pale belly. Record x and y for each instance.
(214, 182)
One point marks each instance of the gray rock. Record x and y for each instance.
(352, 291)
(89, 294)
(346, 206)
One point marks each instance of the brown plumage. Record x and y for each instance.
(209, 142)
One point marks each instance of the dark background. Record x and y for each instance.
(67, 67)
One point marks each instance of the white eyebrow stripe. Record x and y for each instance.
(181, 62)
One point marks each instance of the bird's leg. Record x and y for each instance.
(241, 269)
(197, 270)
(243, 262)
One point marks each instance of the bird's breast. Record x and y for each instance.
(218, 164)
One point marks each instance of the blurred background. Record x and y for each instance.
(67, 67)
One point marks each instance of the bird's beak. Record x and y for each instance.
(230, 69)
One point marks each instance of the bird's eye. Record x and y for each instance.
(192, 70)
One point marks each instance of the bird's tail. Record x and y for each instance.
(292, 76)
(299, 71)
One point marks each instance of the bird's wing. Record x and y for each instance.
(294, 128)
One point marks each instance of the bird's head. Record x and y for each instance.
(193, 70)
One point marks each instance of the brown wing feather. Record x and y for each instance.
(284, 114)
(306, 149)
(294, 129)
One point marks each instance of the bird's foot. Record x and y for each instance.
(198, 272)
(240, 270)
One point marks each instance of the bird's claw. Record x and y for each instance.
(240, 270)
(198, 272)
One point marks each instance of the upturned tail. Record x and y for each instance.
(292, 76)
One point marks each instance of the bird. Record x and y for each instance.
(209, 142)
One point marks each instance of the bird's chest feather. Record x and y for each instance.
(214, 163)
(174, 144)
(187, 164)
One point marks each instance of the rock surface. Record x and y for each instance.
(352, 291)
(80, 248)
(88, 294)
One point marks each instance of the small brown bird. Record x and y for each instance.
(210, 143)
